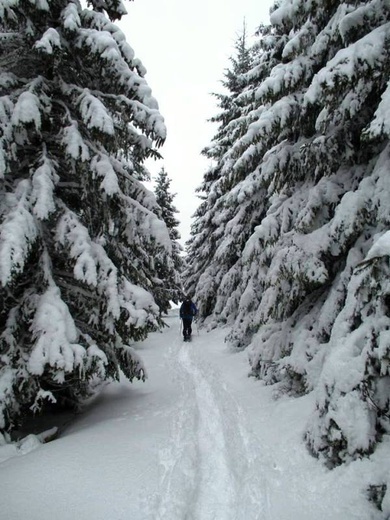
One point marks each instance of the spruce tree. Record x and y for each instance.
(78, 229)
(321, 149)
(309, 294)
(172, 289)
(210, 250)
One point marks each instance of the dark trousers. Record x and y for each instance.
(187, 329)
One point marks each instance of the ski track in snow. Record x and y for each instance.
(211, 468)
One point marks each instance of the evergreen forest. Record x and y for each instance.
(290, 244)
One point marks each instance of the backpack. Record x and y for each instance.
(187, 308)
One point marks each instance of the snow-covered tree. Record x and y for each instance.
(323, 109)
(164, 199)
(171, 289)
(310, 293)
(211, 250)
(78, 230)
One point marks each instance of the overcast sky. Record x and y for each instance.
(185, 47)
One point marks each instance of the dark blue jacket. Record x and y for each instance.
(184, 314)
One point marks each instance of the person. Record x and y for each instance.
(187, 312)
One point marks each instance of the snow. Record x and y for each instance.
(18, 232)
(6, 6)
(26, 445)
(198, 440)
(71, 18)
(381, 247)
(41, 5)
(43, 183)
(74, 143)
(27, 110)
(380, 124)
(56, 336)
(358, 59)
(102, 43)
(103, 168)
(284, 11)
(135, 300)
(361, 16)
(49, 41)
(94, 113)
(70, 230)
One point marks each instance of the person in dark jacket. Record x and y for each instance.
(187, 312)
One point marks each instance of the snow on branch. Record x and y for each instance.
(102, 167)
(70, 231)
(55, 336)
(349, 64)
(27, 110)
(3, 157)
(138, 302)
(362, 16)
(92, 264)
(380, 125)
(149, 225)
(49, 41)
(95, 114)
(289, 10)
(70, 18)
(74, 143)
(6, 8)
(100, 43)
(132, 364)
(299, 41)
(100, 22)
(7, 378)
(6, 108)
(114, 8)
(283, 77)
(149, 118)
(255, 140)
(44, 180)
(381, 247)
(350, 212)
(8, 80)
(41, 5)
(105, 37)
(18, 232)
(42, 395)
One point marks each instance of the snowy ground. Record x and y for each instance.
(198, 441)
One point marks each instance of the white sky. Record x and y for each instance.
(185, 47)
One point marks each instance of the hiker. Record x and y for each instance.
(187, 312)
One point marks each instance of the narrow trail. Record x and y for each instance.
(212, 467)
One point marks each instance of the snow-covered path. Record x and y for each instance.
(209, 461)
(198, 441)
